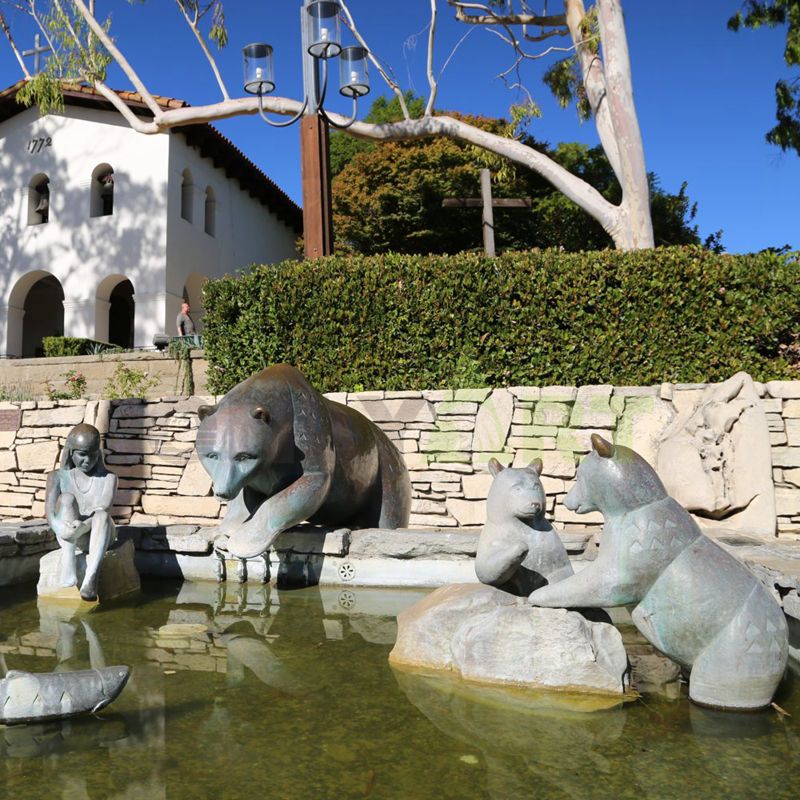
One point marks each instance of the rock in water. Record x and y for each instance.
(487, 635)
(118, 575)
(38, 697)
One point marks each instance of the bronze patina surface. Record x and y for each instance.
(282, 454)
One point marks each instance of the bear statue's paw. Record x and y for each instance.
(248, 542)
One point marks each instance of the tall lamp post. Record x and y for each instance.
(321, 34)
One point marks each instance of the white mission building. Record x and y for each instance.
(105, 231)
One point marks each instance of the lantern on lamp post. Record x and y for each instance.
(321, 33)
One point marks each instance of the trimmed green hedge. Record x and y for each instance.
(533, 318)
(56, 346)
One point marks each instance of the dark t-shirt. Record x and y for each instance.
(185, 324)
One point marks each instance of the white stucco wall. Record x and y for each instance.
(246, 231)
(145, 240)
(85, 254)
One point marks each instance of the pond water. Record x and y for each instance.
(249, 692)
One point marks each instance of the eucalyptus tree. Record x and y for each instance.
(592, 69)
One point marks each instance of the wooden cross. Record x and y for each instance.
(487, 203)
(37, 52)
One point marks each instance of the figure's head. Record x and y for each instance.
(185, 309)
(516, 492)
(82, 449)
(613, 479)
(232, 442)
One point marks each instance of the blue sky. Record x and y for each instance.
(704, 95)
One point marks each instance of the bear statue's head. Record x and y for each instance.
(516, 492)
(232, 443)
(613, 480)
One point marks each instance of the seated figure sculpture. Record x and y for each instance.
(694, 601)
(78, 498)
(283, 454)
(519, 550)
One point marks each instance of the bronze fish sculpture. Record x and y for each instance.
(37, 697)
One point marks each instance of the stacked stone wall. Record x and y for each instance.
(447, 438)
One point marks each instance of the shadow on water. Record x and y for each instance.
(244, 691)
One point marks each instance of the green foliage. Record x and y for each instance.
(128, 382)
(180, 348)
(777, 13)
(565, 81)
(75, 383)
(345, 147)
(389, 197)
(541, 317)
(77, 55)
(60, 346)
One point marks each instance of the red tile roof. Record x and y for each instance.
(206, 138)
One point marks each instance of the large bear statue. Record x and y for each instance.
(282, 454)
(519, 550)
(694, 601)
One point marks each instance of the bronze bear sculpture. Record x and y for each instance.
(519, 550)
(693, 600)
(283, 454)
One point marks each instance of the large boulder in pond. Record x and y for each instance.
(486, 635)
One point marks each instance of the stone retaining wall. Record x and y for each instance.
(27, 377)
(447, 437)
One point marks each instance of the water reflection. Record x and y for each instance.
(243, 691)
(524, 738)
(566, 746)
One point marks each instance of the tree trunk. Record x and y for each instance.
(635, 218)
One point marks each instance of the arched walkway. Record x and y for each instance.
(193, 295)
(115, 311)
(121, 314)
(40, 298)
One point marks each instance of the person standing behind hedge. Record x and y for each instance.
(184, 322)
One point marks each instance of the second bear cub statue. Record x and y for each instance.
(519, 550)
(693, 600)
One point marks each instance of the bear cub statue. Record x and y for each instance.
(693, 601)
(519, 550)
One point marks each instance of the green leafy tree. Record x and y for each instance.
(344, 147)
(388, 196)
(773, 14)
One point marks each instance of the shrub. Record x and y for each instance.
(75, 386)
(57, 346)
(128, 382)
(535, 318)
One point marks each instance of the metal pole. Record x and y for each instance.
(315, 161)
(488, 214)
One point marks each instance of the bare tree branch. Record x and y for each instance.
(17, 54)
(117, 55)
(542, 36)
(575, 188)
(193, 23)
(37, 17)
(391, 82)
(432, 82)
(490, 17)
(138, 124)
(454, 51)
